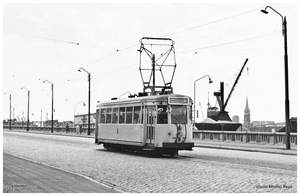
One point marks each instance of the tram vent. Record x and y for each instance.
(140, 94)
(132, 96)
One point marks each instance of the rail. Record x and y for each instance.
(55, 129)
(244, 137)
(219, 136)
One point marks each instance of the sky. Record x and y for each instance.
(43, 41)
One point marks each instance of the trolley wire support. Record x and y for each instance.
(161, 53)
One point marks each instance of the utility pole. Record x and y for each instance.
(23, 88)
(286, 77)
(89, 99)
(52, 109)
(89, 105)
(9, 110)
(210, 81)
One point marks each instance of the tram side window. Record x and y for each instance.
(102, 115)
(162, 114)
(136, 114)
(115, 116)
(128, 115)
(122, 115)
(108, 115)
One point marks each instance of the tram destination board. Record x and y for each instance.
(178, 100)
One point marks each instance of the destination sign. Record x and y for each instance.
(178, 100)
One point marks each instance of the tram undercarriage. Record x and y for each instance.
(170, 149)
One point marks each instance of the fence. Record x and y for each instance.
(221, 136)
(244, 137)
(48, 129)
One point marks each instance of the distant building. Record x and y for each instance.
(247, 120)
(236, 119)
(264, 126)
(293, 127)
(16, 123)
(82, 120)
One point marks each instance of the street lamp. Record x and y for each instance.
(23, 88)
(89, 98)
(9, 110)
(210, 81)
(286, 74)
(52, 105)
(75, 110)
(76, 105)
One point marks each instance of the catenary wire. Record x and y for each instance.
(76, 43)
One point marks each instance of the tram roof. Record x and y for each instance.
(143, 99)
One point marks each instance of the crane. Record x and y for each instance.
(235, 83)
(223, 115)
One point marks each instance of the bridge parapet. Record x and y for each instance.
(48, 129)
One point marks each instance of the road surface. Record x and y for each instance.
(24, 176)
(198, 171)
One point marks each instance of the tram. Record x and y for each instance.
(158, 121)
(161, 124)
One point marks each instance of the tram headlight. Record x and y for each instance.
(179, 135)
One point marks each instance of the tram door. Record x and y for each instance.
(150, 124)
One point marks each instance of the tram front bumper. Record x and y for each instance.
(178, 146)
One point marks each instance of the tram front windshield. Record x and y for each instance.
(179, 114)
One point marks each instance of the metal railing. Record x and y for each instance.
(244, 137)
(220, 136)
(48, 129)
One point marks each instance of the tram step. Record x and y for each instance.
(148, 149)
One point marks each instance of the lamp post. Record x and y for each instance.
(210, 81)
(286, 74)
(89, 98)
(23, 88)
(9, 110)
(52, 105)
(75, 110)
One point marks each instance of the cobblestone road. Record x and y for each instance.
(198, 171)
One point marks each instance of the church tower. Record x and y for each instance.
(247, 120)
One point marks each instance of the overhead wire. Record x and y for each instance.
(177, 32)
(104, 57)
(191, 28)
(92, 62)
(227, 43)
(208, 23)
(47, 38)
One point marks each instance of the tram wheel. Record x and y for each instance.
(173, 154)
